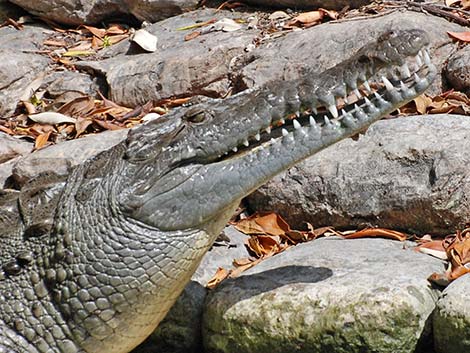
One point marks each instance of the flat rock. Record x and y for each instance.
(451, 320)
(409, 173)
(74, 12)
(329, 295)
(60, 159)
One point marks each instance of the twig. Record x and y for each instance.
(432, 9)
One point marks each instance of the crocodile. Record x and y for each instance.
(94, 262)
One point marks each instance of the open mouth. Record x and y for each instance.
(381, 93)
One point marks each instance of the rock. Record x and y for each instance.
(135, 78)
(323, 46)
(61, 158)
(329, 295)
(220, 62)
(11, 149)
(456, 71)
(180, 331)
(408, 173)
(309, 4)
(18, 69)
(451, 319)
(62, 82)
(73, 12)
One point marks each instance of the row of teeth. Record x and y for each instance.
(422, 57)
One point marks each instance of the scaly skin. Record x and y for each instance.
(95, 269)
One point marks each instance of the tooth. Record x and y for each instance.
(284, 132)
(327, 121)
(296, 124)
(367, 86)
(416, 77)
(268, 130)
(387, 83)
(367, 101)
(235, 149)
(419, 61)
(272, 140)
(314, 110)
(405, 70)
(246, 143)
(297, 114)
(427, 59)
(258, 137)
(333, 111)
(282, 121)
(311, 120)
(343, 112)
(403, 86)
(357, 93)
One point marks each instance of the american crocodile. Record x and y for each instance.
(93, 263)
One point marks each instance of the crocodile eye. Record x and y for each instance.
(196, 118)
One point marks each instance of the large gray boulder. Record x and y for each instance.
(19, 68)
(73, 12)
(451, 319)
(223, 62)
(329, 295)
(408, 173)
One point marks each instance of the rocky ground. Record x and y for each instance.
(407, 173)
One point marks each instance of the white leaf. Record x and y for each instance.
(227, 25)
(51, 118)
(145, 40)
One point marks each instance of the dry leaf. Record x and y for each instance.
(219, 276)
(422, 103)
(462, 36)
(51, 118)
(42, 140)
(377, 233)
(97, 32)
(263, 223)
(308, 17)
(145, 40)
(433, 248)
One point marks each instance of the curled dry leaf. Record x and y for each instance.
(377, 233)
(219, 276)
(145, 40)
(462, 36)
(433, 248)
(51, 118)
(263, 223)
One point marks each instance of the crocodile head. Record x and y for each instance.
(198, 162)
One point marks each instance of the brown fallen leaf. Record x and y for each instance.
(192, 35)
(42, 140)
(219, 276)
(262, 245)
(377, 233)
(433, 248)
(462, 36)
(263, 223)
